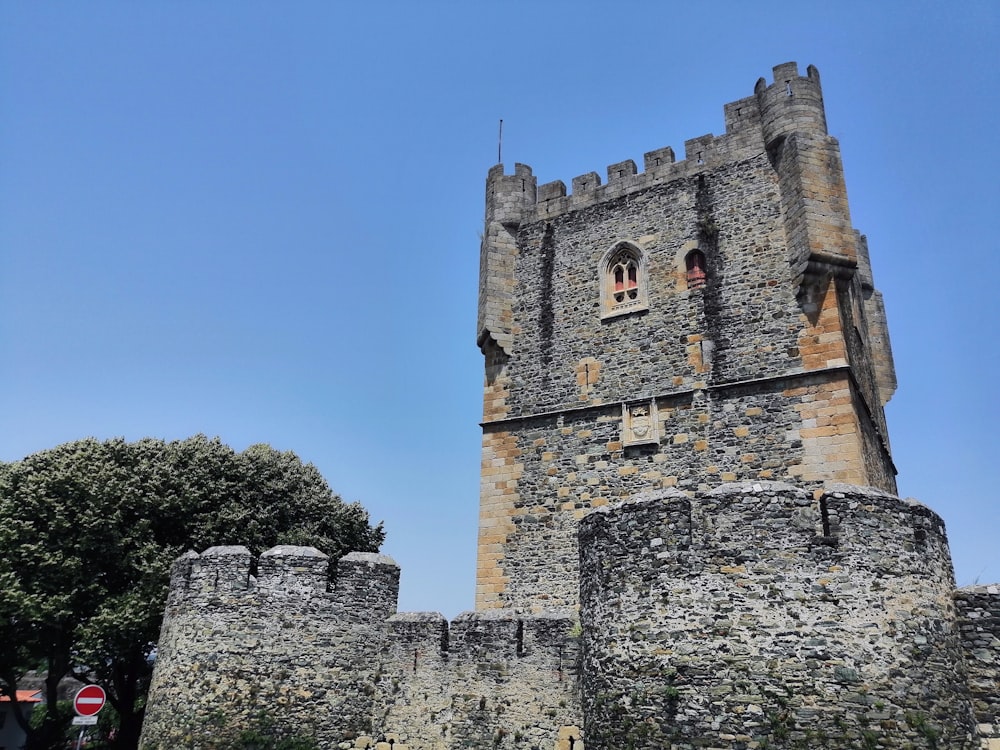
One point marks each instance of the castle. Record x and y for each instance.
(688, 534)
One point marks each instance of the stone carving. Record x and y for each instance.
(640, 425)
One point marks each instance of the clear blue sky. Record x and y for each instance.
(260, 221)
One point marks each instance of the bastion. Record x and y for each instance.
(689, 533)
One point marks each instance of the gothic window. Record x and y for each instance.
(626, 277)
(623, 280)
(694, 263)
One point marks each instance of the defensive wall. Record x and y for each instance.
(754, 615)
(684, 446)
(334, 661)
(979, 619)
(758, 612)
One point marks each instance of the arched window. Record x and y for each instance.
(623, 282)
(694, 263)
(625, 270)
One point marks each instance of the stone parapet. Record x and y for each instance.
(492, 679)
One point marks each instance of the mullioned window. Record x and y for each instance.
(624, 280)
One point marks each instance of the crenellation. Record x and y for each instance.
(743, 115)
(585, 183)
(550, 190)
(507, 195)
(424, 634)
(180, 577)
(366, 587)
(475, 636)
(618, 172)
(221, 569)
(698, 150)
(689, 535)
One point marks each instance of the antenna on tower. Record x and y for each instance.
(500, 144)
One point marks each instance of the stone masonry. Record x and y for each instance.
(757, 612)
(776, 367)
(688, 536)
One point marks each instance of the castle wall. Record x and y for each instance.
(234, 647)
(780, 325)
(979, 622)
(491, 680)
(336, 663)
(544, 475)
(756, 613)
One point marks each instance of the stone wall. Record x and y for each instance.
(787, 321)
(541, 475)
(335, 663)
(979, 621)
(493, 680)
(234, 647)
(756, 613)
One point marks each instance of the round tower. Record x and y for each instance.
(756, 613)
(790, 104)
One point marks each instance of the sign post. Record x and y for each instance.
(87, 702)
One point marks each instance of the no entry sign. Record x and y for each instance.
(89, 700)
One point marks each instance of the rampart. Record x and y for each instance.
(683, 368)
(758, 613)
(334, 661)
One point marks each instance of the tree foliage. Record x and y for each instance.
(88, 531)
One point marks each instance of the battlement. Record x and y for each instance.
(486, 676)
(485, 635)
(749, 521)
(790, 104)
(362, 583)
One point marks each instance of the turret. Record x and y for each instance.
(508, 195)
(507, 198)
(790, 104)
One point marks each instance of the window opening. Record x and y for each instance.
(623, 280)
(696, 271)
(626, 274)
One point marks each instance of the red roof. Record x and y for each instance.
(24, 696)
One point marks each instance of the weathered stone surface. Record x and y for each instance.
(774, 364)
(979, 623)
(338, 664)
(683, 436)
(757, 610)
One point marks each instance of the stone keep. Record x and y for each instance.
(768, 360)
(688, 531)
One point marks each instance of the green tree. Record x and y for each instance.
(88, 531)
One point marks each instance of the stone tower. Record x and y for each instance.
(704, 321)
(688, 536)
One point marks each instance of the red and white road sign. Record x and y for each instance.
(89, 700)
